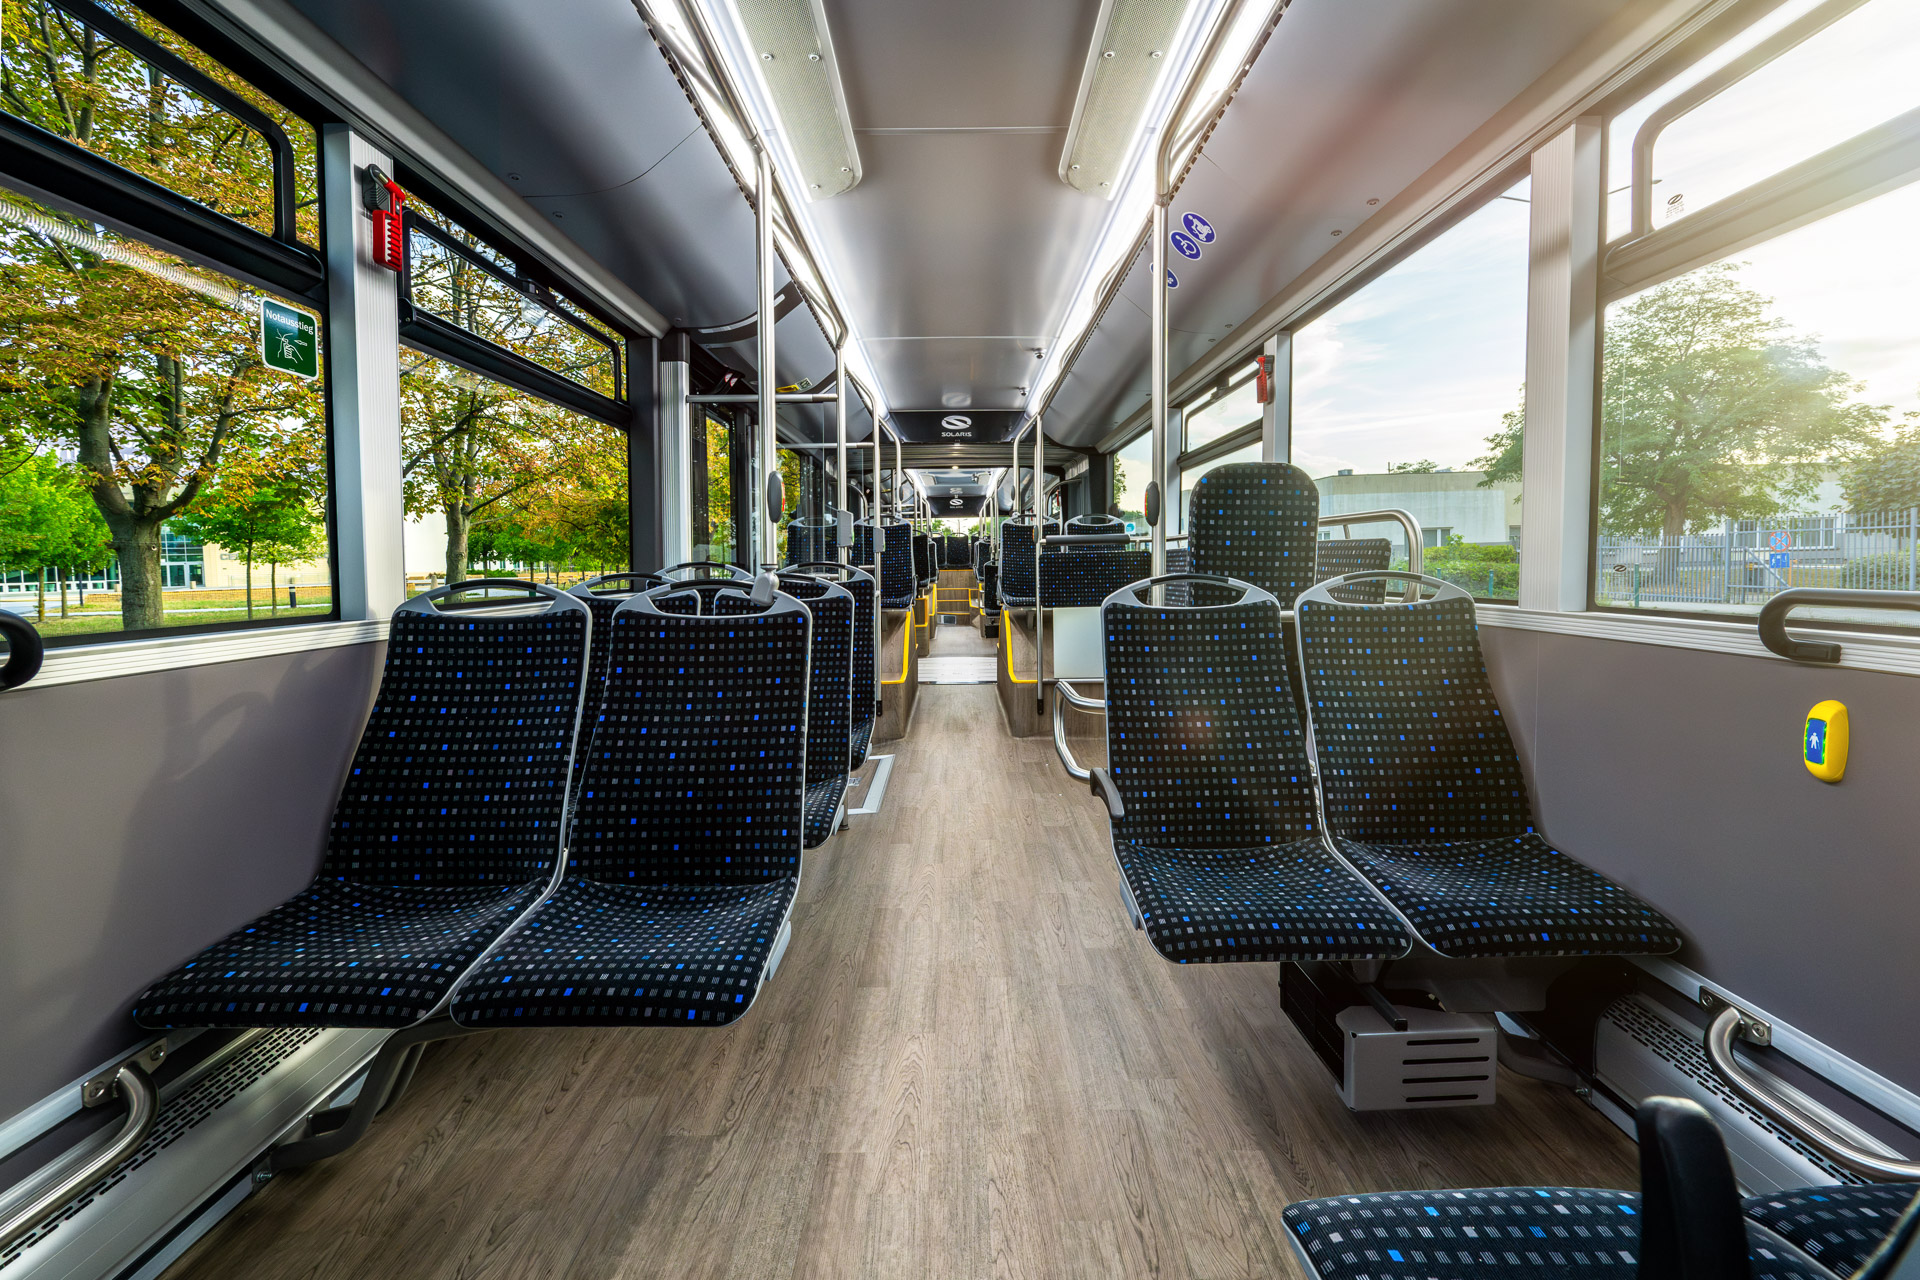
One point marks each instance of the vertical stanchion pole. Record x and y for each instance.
(1158, 376)
(761, 451)
(1039, 539)
(842, 518)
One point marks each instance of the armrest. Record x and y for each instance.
(1100, 782)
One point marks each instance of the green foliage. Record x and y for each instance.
(1712, 409)
(1887, 476)
(47, 519)
(1424, 466)
(1504, 458)
(1471, 566)
(1886, 571)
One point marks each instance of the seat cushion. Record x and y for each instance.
(1510, 896)
(823, 802)
(598, 954)
(1517, 1233)
(1835, 1226)
(338, 955)
(1275, 902)
(862, 740)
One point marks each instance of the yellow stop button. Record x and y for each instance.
(1823, 744)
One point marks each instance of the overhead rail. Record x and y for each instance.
(1732, 1021)
(1773, 617)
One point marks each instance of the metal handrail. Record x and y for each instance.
(78, 1171)
(1060, 747)
(1405, 519)
(1719, 1046)
(1773, 617)
(1096, 705)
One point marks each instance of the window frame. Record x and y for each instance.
(1870, 164)
(62, 175)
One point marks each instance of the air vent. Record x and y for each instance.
(1132, 45)
(179, 1115)
(1642, 1050)
(794, 50)
(1440, 1060)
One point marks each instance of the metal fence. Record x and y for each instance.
(1744, 562)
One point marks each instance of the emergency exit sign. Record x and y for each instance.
(289, 339)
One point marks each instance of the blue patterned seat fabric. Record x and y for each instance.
(1219, 843)
(990, 587)
(1084, 581)
(1255, 521)
(897, 574)
(686, 846)
(866, 676)
(829, 700)
(1522, 1233)
(1425, 797)
(1838, 1227)
(808, 542)
(956, 551)
(446, 830)
(1016, 561)
(925, 562)
(1097, 524)
(1336, 556)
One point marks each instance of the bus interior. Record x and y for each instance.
(880, 638)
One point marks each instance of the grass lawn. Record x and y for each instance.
(80, 624)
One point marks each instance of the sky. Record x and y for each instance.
(1422, 363)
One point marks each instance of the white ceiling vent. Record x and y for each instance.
(1132, 45)
(790, 40)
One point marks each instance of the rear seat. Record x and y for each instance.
(896, 575)
(1016, 562)
(1337, 557)
(1210, 796)
(1686, 1224)
(447, 828)
(865, 691)
(829, 699)
(1424, 795)
(1257, 522)
(685, 850)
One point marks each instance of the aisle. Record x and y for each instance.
(968, 1066)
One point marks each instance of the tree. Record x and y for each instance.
(1887, 476)
(1503, 461)
(47, 520)
(144, 366)
(1425, 466)
(1712, 409)
(262, 517)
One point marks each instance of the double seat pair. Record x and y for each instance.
(1371, 806)
(472, 874)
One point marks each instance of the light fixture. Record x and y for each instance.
(1117, 85)
(802, 80)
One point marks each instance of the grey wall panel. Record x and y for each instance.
(143, 817)
(1677, 772)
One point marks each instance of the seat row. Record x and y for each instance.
(579, 809)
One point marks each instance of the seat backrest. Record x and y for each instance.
(923, 558)
(602, 595)
(696, 770)
(1411, 742)
(896, 574)
(1016, 557)
(956, 552)
(1690, 1222)
(1077, 581)
(830, 668)
(990, 586)
(865, 690)
(1258, 522)
(1203, 739)
(1097, 524)
(1336, 556)
(809, 542)
(461, 774)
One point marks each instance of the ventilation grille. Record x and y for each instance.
(179, 1116)
(1440, 1060)
(1683, 1055)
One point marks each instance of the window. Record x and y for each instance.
(500, 483)
(163, 439)
(1408, 394)
(1229, 407)
(143, 426)
(1132, 469)
(128, 90)
(1191, 476)
(1760, 414)
(713, 531)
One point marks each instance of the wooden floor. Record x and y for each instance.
(969, 1065)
